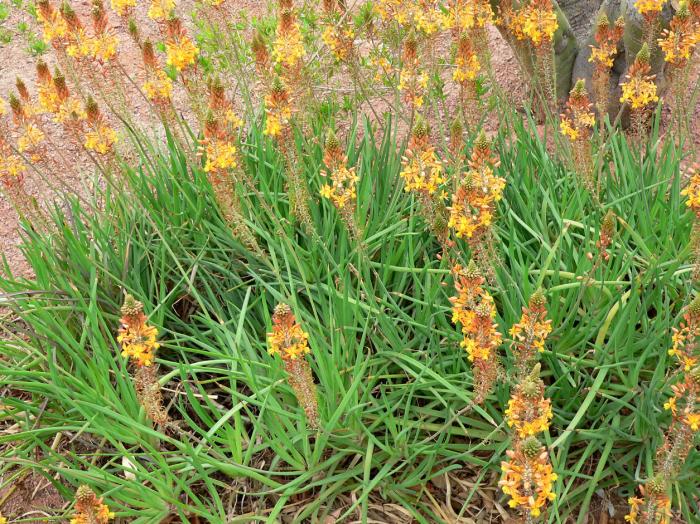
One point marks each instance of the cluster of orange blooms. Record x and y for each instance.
(12, 167)
(425, 16)
(412, 81)
(474, 309)
(138, 339)
(530, 333)
(578, 120)
(692, 193)
(466, 60)
(278, 110)
(639, 89)
(342, 189)
(283, 65)
(607, 36)
(219, 141)
(649, 8)
(577, 123)
(139, 342)
(89, 509)
(421, 169)
(64, 30)
(181, 52)
(529, 412)
(653, 506)
(679, 40)
(535, 21)
(474, 202)
(288, 340)
(528, 476)
(83, 123)
(338, 34)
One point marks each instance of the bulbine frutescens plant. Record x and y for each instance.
(458, 195)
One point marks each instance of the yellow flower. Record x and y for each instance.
(221, 155)
(3, 107)
(539, 21)
(339, 41)
(104, 47)
(12, 168)
(467, 68)
(287, 338)
(31, 138)
(422, 171)
(101, 140)
(645, 7)
(54, 25)
(136, 337)
(181, 53)
(273, 126)
(160, 9)
(671, 405)
(3, 520)
(122, 7)
(342, 192)
(159, 88)
(278, 111)
(80, 44)
(90, 509)
(288, 49)
(693, 420)
(528, 411)
(639, 91)
(528, 478)
(69, 110)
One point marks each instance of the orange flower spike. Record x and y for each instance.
(530, 333)
(137, 338)
(288, 47)
(539, 22)
(578, 120)
(413, 82)
(474, 203)
(606, 37)
(343, 180)
(654, 505)
(639, 89)
(55, 28)
(89, 508)
(101, 137)
(278, 109)
(528, 478)
(422, 171)
(288, 340)
(529, 412)
(679, 40)
(474, 309)
(181, 52)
